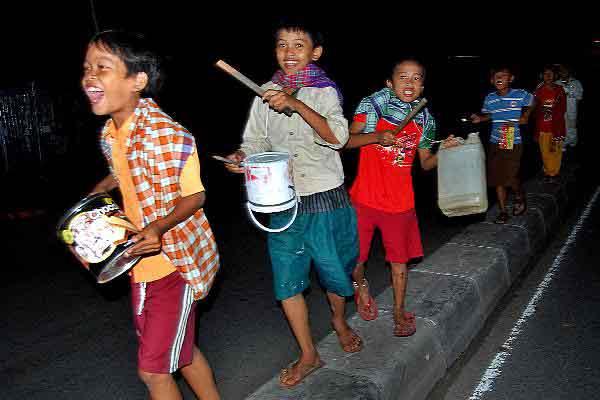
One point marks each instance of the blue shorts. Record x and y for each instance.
(329, 239)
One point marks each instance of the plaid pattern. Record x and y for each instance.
(311, 76)
(157, 150)
(385, 104)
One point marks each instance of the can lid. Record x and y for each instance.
(118, 264)
(78, 207)
(266, 157)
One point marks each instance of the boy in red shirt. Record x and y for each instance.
(382, 192)
(549, 108)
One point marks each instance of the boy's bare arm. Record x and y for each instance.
(149, 240)
(105, 185)
(359, 139)
(533, 106)
(477, 118)
(279, 101)
(429, 160)
(525, 115)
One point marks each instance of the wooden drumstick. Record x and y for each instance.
(120, 222)
(246, 81)
(410, 116)
(240, 77)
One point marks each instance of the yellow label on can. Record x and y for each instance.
(67, 236)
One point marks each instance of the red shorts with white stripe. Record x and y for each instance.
(164, 315)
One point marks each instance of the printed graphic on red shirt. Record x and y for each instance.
(550, 112)
(547, 109)
(402, 152)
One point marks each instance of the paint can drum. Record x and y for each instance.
(269, 185)
(97, 232)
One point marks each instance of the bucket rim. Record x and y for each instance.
(251, 158)
(78, 207)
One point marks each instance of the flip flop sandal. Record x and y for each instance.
(353, 346)
(405, 328)
(369, 311)
(502, 218)
(409, 316)
(520, 206)
(305, 372)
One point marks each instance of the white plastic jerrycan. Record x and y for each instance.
(462, 186)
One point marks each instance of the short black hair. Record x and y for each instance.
(501, 68)
(136, 53)
(300, 25)
(550, 67)
(411, 59)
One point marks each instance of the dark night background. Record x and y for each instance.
(43, 45)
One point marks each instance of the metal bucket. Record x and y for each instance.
(97, 232)
(269, 186)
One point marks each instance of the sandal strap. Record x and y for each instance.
(364, 283)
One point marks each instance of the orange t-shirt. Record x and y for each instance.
(149, 268)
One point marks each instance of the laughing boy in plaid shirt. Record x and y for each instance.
(154, 163)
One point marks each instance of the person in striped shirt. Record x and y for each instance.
(507, 109)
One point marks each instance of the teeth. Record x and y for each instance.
(94, 94)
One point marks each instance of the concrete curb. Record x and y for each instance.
(452, 292)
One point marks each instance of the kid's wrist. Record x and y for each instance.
(297, 105)
(160, 227)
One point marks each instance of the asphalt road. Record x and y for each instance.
(542, 342)
(64, 336)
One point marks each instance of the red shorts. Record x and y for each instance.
(399, 233)
(164, 315)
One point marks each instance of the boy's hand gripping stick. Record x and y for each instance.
(246, 81)
(410, 116)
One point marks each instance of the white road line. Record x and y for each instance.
(494, 370)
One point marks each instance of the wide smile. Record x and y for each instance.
(95, 94)
(291, 64)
